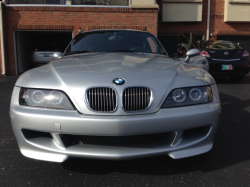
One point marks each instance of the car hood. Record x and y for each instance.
(74, 74)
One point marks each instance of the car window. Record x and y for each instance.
(220, 45)
(115, 41)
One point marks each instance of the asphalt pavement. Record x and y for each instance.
(227, 164)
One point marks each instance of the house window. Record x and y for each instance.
(182, 10)
(237, 11)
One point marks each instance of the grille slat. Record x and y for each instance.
(136, 99)
(97, 95)
(125, 103)
(134, 104)
(92, 94)
(129, 99)
(110, 105)
(136, 96)
(107, 101)
(111, 99)
(101, 99)
(95, 99)
(139, 99)
(147, 95)
(142, 98)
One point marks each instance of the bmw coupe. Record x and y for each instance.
(115, 94)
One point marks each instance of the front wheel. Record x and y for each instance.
(237, 78)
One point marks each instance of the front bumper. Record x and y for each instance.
(190, 129)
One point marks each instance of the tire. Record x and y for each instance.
(237, 78)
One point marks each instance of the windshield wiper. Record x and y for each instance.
(75, 52)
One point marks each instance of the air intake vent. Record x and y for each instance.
(136, 99)
(135, 140)
(101, 99)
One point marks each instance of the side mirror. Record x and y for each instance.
(191, 53)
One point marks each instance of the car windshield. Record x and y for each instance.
(114, 41)
(220, 45)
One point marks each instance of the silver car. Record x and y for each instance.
(115, 94)
(45, 52)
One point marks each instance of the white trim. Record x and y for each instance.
(47, 5)
(2, 39)
(208, 19)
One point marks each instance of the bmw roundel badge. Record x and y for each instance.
(118, 81)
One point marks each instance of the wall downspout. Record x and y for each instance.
(157, 24)
(2, 39)
(208, 19)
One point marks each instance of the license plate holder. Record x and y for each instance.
(45, 55)
(227, 67)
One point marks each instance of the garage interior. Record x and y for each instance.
(26, 41)
(169, 42)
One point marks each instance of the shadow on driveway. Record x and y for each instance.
(231, 147)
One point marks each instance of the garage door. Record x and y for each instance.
(26, 42)
(169, 42)
(244, 41)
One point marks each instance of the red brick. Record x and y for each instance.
(71, 18)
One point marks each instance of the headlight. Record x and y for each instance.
(189, 96)
(45, 99)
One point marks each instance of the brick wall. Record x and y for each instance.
(71, 18)
(1, 71)
(217, 24)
